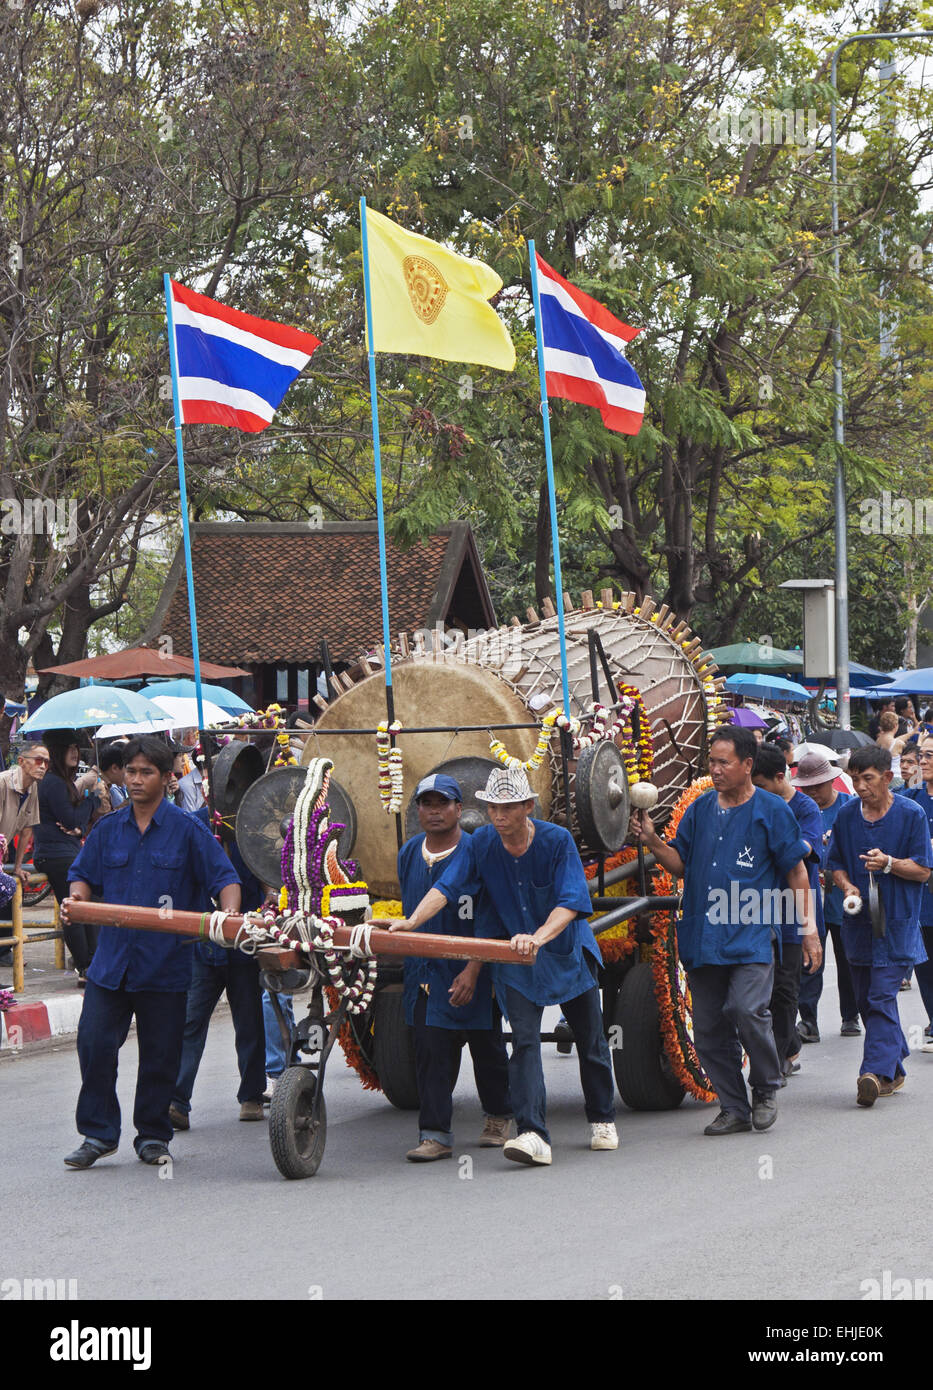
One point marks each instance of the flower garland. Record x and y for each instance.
(619, 941)
(391, 772)
(637, 752)
(600, 728)
(499, 751)
(670, 982)
(285, 756)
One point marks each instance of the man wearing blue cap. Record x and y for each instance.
(445, 1000)
(538, 899)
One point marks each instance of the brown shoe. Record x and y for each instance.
(496, 1131)
(428, 1150)
(888, 1088)
(178, 1118)
(868, 1089)
(251, 1110)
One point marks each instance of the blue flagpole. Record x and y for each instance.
(552, 496)
(183, 499)
(377, 458)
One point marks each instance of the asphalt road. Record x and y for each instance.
(831, 1197)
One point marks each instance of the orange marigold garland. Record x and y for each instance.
(618, 941)
(670, 984)
(637, 750)
(348, 1037)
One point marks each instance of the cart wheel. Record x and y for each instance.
(394, 1049)
(642, 1071)
(297, 1144)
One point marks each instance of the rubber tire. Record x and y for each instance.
(394, 1050)
(32, 897)
(644, 1080)
(296, 1151)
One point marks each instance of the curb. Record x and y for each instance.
(37, 1022)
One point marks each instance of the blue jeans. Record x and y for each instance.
(239, 976)
(526, 1074)
(876, 990)
(105, 1021)
(276, 1060)
(437, 1053)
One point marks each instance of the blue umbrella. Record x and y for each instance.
(93, 705)
(767, 687)
(185, 690)
(908, 683)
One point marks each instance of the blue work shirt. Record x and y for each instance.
(923, 799)
(736, 862)
(904, 832)
(807, 815)
(523, 891)
(416, 878)
(178, 859)
(832, 903)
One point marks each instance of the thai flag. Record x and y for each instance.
(233, 369)
(584, 353)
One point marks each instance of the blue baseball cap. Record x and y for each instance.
(440, 783)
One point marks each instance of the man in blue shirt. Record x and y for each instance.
(923, 796)
(739, 851)
(881, 848)
(449, 1000)
(147, 854)
(770, 772)
(816, 775)
(538, 897)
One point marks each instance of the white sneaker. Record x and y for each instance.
(927, 1045)
(528, 1148)
(604, 1136)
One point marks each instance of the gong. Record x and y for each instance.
(601, 797)
(265, 811)
(235, 768)
(471, 774)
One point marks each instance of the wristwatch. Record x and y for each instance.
(890, 864)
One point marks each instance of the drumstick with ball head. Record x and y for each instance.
(644, 797)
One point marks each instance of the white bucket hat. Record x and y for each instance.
(506, 784)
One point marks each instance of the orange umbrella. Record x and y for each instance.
(140, 661)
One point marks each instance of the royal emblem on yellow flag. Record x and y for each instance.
(430, 301)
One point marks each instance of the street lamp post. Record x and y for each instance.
(839, 490)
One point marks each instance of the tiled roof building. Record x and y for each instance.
(268, 595)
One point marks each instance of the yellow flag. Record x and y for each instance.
(429, 301)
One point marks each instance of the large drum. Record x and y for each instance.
(513, 676)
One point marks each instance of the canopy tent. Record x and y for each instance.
(139, 662)
(752, 656)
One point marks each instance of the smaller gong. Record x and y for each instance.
(602, 797)
(264, 814)
(236, 767)
(471, 774)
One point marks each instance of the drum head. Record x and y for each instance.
(268, 805)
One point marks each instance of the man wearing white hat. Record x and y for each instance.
(535, 882)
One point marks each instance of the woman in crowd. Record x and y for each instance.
(66, 807)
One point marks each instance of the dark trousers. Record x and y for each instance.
(811, 981)
(876, 989)
(924, 974)
(80, 940)
(730, 1011)
(239, 976)
(784, 990)
(437, 1051)
(526, 1074)
(105, 1022)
